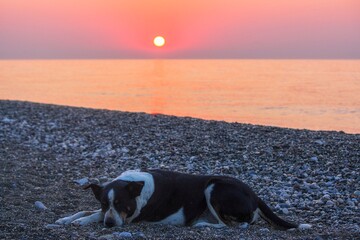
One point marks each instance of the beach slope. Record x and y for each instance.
(48, 151)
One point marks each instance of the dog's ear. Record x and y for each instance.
(97, 189)
(134, 188)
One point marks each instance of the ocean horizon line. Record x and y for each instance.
(220, 59)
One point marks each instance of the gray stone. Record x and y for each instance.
(139, 235)
(350, 203)
(122, 234)
(326, 197)
(125, 150)
(53, 226)
(284, 205)
(39, 205)
(244, 225)
(193, 158)
(320, 142)
(8, 120)
(285, 211)
(314, 186)
(82, 181)
(106, 237)
(329, 183)
(264, 230)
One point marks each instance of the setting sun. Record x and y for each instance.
(159, 41)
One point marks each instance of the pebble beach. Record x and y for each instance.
(48, 152)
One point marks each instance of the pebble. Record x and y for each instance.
(122, 234)
(53, 226)
(357, 193)
(125, 150)
(314, 186)
(285, 211)
(106, 237)
(264, 230)
(326, 197)
(329, 183)
(350, 203)
(8, 120)
(101, 179)
(39, 205)
(244, 225)
(139, 235)
(320, 142)
(82, 181)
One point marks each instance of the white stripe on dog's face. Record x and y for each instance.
(112, 217)
(146, 193)
(111, 197)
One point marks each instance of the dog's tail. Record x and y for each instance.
(268, 215)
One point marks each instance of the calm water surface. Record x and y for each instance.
(312, 94)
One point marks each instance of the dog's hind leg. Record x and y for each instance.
(79, 215)
(230, 201)
(213, 212)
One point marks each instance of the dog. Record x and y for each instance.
(165, 197)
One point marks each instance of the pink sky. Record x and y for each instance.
(192, 28)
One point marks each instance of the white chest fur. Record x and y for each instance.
(177, 218)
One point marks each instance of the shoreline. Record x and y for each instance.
(304, 176)
(181, 116)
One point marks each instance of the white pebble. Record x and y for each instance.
(244, 225)
(39, 205)
(82, 181)
(53, 226)
(285, 211)
(7, 120)
(125, 150)
(326, 197)
(122, 234)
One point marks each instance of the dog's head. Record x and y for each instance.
(118, 200)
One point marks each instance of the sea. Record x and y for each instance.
(301, 94)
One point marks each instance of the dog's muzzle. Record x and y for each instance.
(110, 222)
(112, 218)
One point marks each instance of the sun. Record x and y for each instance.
(159, 41)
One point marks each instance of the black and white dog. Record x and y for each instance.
(175, 198)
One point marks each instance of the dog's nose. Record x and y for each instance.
(109, 222)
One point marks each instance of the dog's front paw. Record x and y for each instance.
(64, 221)
(81, 221)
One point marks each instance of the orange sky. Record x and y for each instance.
(192, 28)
